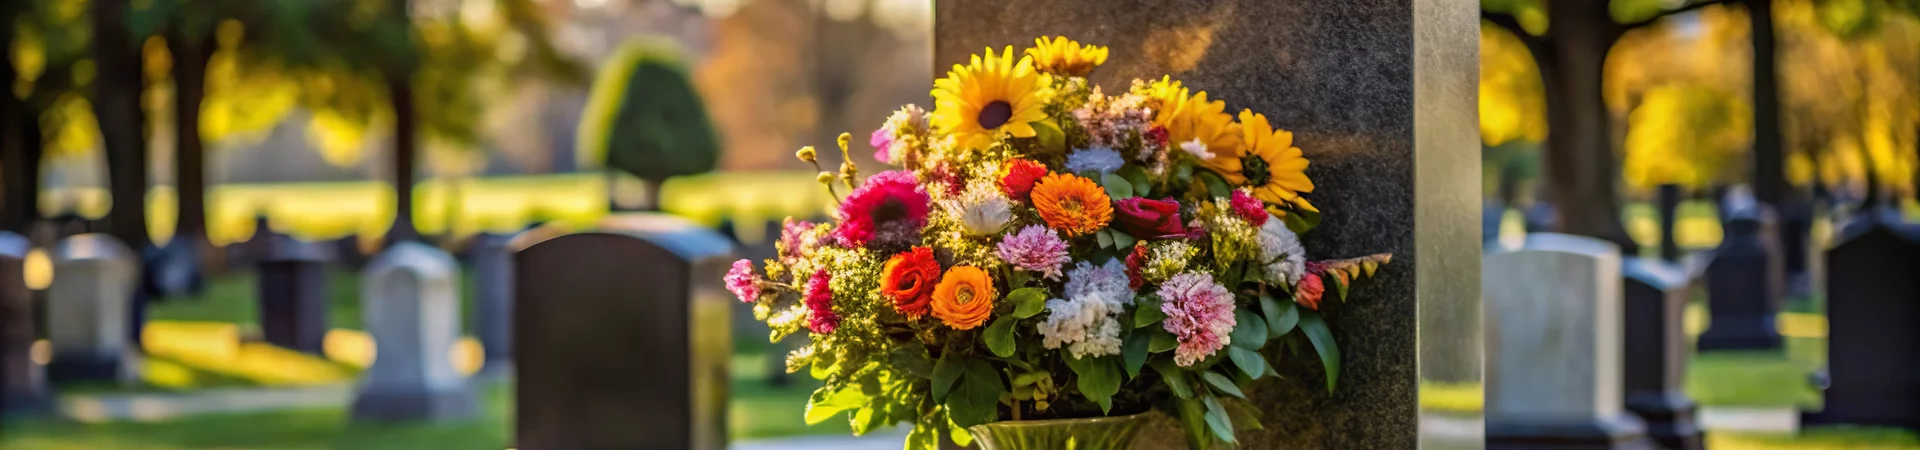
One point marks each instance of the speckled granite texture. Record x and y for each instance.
(1381, 95)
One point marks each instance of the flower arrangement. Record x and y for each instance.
(1047, 250)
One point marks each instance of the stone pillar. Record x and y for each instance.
(412, 305)
(1381, 96)
(1554, 372)
(582, 301)
(23, 384)
(1744, 283)
(292, 290)
(493, 301)
(88, 309)
(1656, 352)
(1667, 204)
(1873, 302)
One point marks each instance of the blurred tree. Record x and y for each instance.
(1674, 83)
(116, 105)
(1512, 114)
(645, 117)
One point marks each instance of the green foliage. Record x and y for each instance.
(1322, 339)
(646, 118)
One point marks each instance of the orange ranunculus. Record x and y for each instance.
(964, 297)
(1309, 291)
(1074, 205)
(908, 280)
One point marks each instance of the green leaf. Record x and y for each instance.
(912, 358)
(1218, 421)
(923, 437)
(1000, 336)
(1104, 237)
(1161, 341)
(1183, 173)
(1249, 361)
(1134, 353)
(1098, 379)
(1193, 421)
(1281, 316)
(945, 372)
(1027, 301)
(958, 434)
(977, 399)
(1322, 339)
(1122, 241)
(1339, 284)
(821, 368)
(823, 405)
(1176, 379)
(1215, 186)
(1117, 187)
(1300, 221)
(1142, 183)
(1244, 414)
(1050, 137)
(1221, 383)
(1249, 330)
(1146, 311)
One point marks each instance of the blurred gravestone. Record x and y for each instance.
(23, 385)
(174, 270)
(582, 301)
(412, 295)
(1656, 351)
(1873, 303)
(348, 251)
(758, 249)
(1795, 240)
(1542, 217)
(1554, 372)
(493, 300)
(1745, 281)
(291, 284)
(1667, 205)
(1492, 212)
(89, 305)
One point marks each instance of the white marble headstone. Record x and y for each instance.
(411, 298)
(88, 307)
(1554, 326)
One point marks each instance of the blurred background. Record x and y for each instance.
(181, 127)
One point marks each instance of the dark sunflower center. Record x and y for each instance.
(1255, 169)
(889, 210)
(995, 114)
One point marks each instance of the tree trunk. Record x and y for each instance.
(1769, 160)
(116, 104)
(190, 57)
(1582, 174)
(20, 168)
(405, 152)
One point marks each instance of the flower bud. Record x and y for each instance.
(823, 177)
(805, 154)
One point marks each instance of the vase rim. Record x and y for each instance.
(1081, 420)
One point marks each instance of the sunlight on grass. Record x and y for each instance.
(1790, 324)
(184, 355)
(1823, 438)
(357, 348)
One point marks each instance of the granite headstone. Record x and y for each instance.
(1656, 352)
(1873, 351)
(493, 301)
(1554, 370)
(412, 295)
(292, 287)
(1380, 96)
(582, 300)
(88, 308)
(1745, 282)
(23, 384)
(1667, 203)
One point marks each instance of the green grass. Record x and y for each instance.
(1822, 438)
(231, 299)
(1758, 378)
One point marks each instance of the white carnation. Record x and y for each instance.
(1280, 249)
(981, 210)
(1085, 322)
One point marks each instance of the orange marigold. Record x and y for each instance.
(1072, 204)
(964, 298)
(908, 280)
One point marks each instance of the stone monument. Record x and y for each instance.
(584, 304)
(1745, 282)
(1873, 350)
(292, 290)
(1656, 352)
(493, 301)
(89, 307)
(412, 295)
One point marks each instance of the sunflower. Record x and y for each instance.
(1076, 206)
(1062, 56)
(1194, 124)
(978, 101)
(1270, 164)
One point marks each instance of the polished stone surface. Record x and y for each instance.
(1873, 350)
(493, 300)
(1745, 281)
(1381, 96)
(88, 309)
(622, 337)
(412, 295)
(1656, 351)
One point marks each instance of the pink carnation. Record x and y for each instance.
(890, 207)
(882, 142)
(1035, 248)
(822, 319)
(1199, 313)
(1249, 208)
(742, 282)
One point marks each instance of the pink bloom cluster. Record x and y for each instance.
(1199, 313)
(1249, 208)
(822, 319)
(1037, 249)
(742, 282)
(889, 207)
(1115, 121)
(796, 239)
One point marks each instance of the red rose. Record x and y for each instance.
(1309, 291)
(908, 280)
(1136, 262)
(1020, 178)
(1150, 219)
